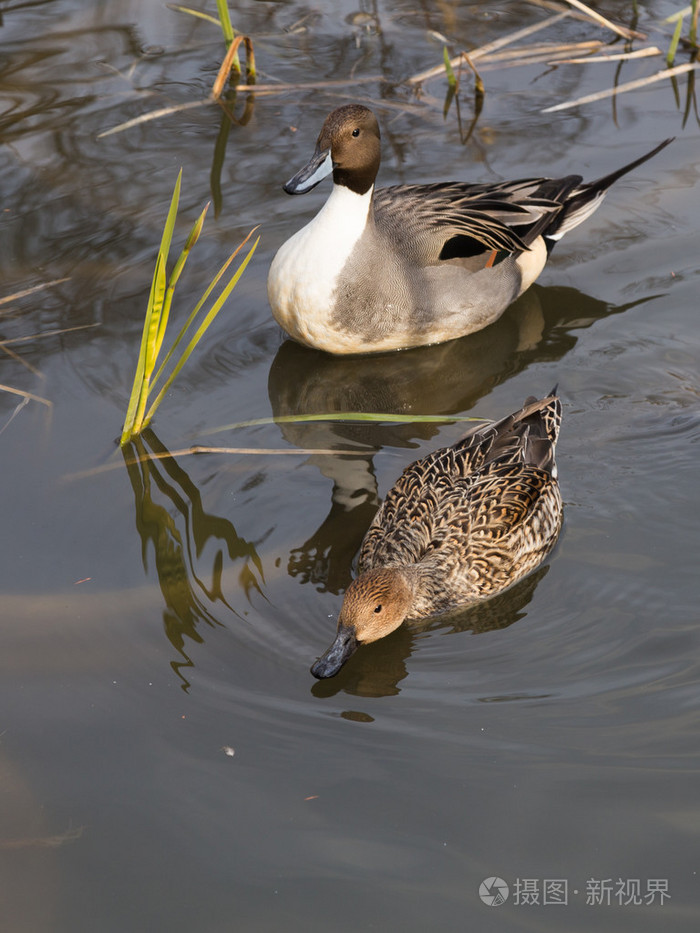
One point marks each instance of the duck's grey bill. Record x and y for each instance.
(343, 647)
(319, 165)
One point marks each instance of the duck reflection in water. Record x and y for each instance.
(449, 378)
(446, 379)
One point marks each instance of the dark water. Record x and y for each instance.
(155, 615)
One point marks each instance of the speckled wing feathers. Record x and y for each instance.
(486, 509)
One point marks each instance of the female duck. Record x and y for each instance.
(413, 264)
(460, 525)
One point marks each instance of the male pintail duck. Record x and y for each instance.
(413, 264)
(460, 525)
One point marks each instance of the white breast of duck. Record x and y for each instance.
(352, 282)
(304, 275)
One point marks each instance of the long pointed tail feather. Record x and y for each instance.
(585, 200)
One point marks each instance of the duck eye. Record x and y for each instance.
(378, 607)
(356, 132)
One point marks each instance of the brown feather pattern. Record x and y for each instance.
(473, 518)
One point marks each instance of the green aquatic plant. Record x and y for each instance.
(673, 46)
(449, 70)
(679, 18)
(230, 37)
(225, 21)
(146, 384)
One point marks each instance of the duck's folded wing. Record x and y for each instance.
(504, 498)
(515, 517)
(454, 219)
(527, 436)
(404, 525)
(428, 503)
(492, 478)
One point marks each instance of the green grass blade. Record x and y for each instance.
(678, 14)
(154, 314)
(158, 313)
(671, 54)
(186, 9)
(192, 238)
(229, 34)
(211, 314)
(451, 79)
(225, 21)
(153, 319)
(193, 314)
(158, 297)
(174, 276)
(139, 388)
(167, 237)
(381, 417)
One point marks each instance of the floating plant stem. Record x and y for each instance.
(623, 88)
(374, 417)
(178, 8)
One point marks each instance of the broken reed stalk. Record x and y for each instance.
(622, 31)
(491, 47)
(26, 395)
(648, 52)
(485, 50)
(6, 299)
(231, 63)
(160, 299)
(623, 88)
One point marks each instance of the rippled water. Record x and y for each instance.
(157, 615)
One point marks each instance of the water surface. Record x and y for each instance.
(156, 615)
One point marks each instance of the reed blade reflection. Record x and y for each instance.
(449, 378)
(171, 520)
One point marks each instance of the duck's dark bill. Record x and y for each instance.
(319, 165)
(343, 647)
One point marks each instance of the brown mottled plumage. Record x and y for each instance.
(460, 525)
